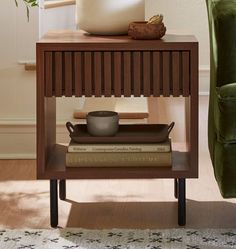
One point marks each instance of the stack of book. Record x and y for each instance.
(118, 155)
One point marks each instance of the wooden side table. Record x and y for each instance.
(77, 64)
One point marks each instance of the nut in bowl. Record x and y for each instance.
(152, 29)
(102, 123)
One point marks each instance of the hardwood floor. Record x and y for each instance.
(24, 202)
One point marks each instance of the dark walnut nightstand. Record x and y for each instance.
(76, 64)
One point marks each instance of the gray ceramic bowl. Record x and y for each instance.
(102, 123)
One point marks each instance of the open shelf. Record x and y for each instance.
(56, 168)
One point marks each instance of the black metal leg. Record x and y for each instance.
(176, 188)
(181, 202)
(53, 203)
(62, 189)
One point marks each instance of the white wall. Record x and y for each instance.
(18, 37)
(57, 18)
(17, 87)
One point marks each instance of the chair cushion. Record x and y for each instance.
(225, 113)
(225, 168)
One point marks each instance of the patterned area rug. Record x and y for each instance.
(118, 239)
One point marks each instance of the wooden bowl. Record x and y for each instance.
(146, 31)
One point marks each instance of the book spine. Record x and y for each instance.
(120, 148)
(118, 159)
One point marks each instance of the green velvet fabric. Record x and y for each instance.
(222, 104)
(225, 114)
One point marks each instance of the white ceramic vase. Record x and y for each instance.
(108, 17)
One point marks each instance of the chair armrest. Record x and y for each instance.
(225, 113)
(227, 92)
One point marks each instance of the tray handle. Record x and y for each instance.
(70, 127)
(170, 127)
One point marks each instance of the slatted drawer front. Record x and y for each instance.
(117, 73)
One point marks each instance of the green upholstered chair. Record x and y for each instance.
(222, 105)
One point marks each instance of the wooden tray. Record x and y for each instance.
(135, 133)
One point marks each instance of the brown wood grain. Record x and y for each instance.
(88, 74)
(117, 74)
(127, 74)
(40, 124)
(79, 40)
(114, 65)
(146, 74)
(78, 72)
(176, 73)
(107, 74)
(97, 74)
(186, 74)
(166, 74)
(194, 110)
(48, 74)
(56, 168)
(68, 73)
(50, 124)
(58, 74)
(157, 73)
(136, 74)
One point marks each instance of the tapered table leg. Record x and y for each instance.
(181, 202)
(53, 203)
(176, 188)
(62, 189)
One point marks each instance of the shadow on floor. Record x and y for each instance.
(145, 215)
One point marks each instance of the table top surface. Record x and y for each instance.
(81, 37)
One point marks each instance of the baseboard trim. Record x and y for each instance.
(17, 121)
(203, 93)
(17, 156)
(204, 68)
(27, 122)
(204, 80)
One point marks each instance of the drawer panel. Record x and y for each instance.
(118, 73)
